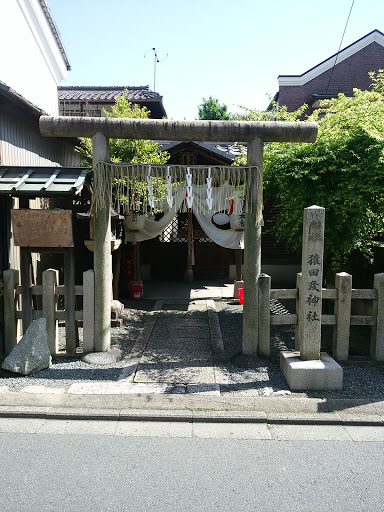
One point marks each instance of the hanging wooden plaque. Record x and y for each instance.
(42, 228)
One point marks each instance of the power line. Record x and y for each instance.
(338, 51)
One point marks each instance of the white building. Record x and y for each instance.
(32, 61)
(32, 64)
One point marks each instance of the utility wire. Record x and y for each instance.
(341, 42)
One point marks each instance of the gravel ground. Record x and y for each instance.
(64, 372)
(361, 381)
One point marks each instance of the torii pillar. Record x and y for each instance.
(252, 247)
(255, 133)
(102, 257)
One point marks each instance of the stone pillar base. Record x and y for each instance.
(317, 375)
(236, 286)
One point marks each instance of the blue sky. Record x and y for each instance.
(230, 50)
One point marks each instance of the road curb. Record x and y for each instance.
(57, 413)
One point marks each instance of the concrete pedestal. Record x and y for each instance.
(314, 375)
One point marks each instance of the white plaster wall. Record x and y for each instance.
(30, 60)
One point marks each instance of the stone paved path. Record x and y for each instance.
(181, 347)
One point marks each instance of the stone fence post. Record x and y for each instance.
(11, 280)
(264, 315)
(377, 342)
(88, 311)
(342, 327)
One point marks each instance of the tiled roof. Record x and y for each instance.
(226, 149)
(55, 32)
(42, 181)
(90, 93)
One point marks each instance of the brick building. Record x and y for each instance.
(340, 73)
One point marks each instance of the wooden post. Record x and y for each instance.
(11, 280)
(116, 260)
(188, 274)
(26, 283)
(136, 262)
(377, 342)
(239, 264)
(102, 252)
(252, 246)
(50, 280)
(70, 301)
(341, 330)
(264, 315)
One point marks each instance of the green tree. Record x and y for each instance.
(276, 113)
(126, 150)
(343, 171)
(211, 109)
(130, 151)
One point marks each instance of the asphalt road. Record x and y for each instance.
(133, 467)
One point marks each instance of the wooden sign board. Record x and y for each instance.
(42, 228)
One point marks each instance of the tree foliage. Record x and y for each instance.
(343, 171)
(126, 150)
(130, 151)
(211, 109)
(276, 113)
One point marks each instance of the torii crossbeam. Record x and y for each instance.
(255, 133)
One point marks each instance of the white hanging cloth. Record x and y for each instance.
(151, 227)
(224, 227)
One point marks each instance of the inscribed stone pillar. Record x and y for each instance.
(102, 253)
(252, 247)
(310, 300)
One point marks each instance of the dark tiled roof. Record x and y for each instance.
(90, 93)
(225, 149)
(42, 181)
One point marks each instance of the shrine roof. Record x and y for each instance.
(42, 181)
(225, 149)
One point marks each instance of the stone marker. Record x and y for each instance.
(310, 300)
(31, 354)
(309, 369)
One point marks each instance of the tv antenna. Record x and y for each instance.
(156, 60)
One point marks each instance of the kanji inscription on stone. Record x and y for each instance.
(310, 302)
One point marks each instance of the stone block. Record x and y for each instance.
(111, 356)
(117, 309)
(315, 375)
(32, 353)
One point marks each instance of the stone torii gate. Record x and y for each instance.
(255, 133)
